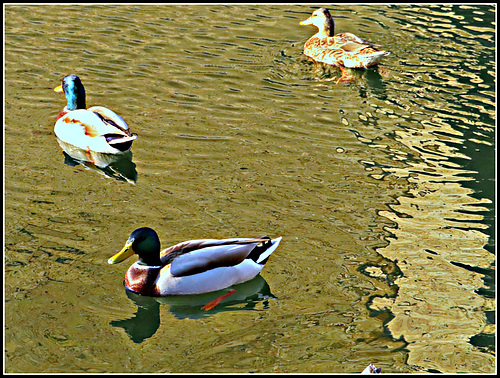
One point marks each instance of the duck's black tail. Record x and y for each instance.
(260, 254)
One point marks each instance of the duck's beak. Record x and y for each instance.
(306, 22)
(58, 89)
(124, 254)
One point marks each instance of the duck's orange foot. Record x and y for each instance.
(89, 156)
(210, 305)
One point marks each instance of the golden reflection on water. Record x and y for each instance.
(437, 298)
(240, 135)
(439, 236)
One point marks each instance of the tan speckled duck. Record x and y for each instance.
(342, 50)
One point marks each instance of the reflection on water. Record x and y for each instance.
(146, 321)
(370, 80)
(439, 236)
(117, 166)
(437, 244)
(382, 187)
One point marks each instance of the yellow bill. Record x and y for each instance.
(306, 22)
(58, 89)
(124, 254)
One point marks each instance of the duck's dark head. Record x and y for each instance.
(74, 91)
(145, 243)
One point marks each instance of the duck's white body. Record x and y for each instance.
(88, 129)
(194, 266)
(211, 280)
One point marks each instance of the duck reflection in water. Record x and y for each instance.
(244, 297)
(368, 79)
(117, 166)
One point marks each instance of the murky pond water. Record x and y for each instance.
(382, 187)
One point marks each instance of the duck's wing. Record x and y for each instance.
(349, 37)
(335, 46)
(347, 42)
(111, 119)
(353, 47)
(196, 256)
(114, 128)
(350, 51)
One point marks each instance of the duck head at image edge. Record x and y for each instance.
(194, 266)
(95, 129)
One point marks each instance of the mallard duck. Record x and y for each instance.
(95, 129)
(342, 50)
(194, 266)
